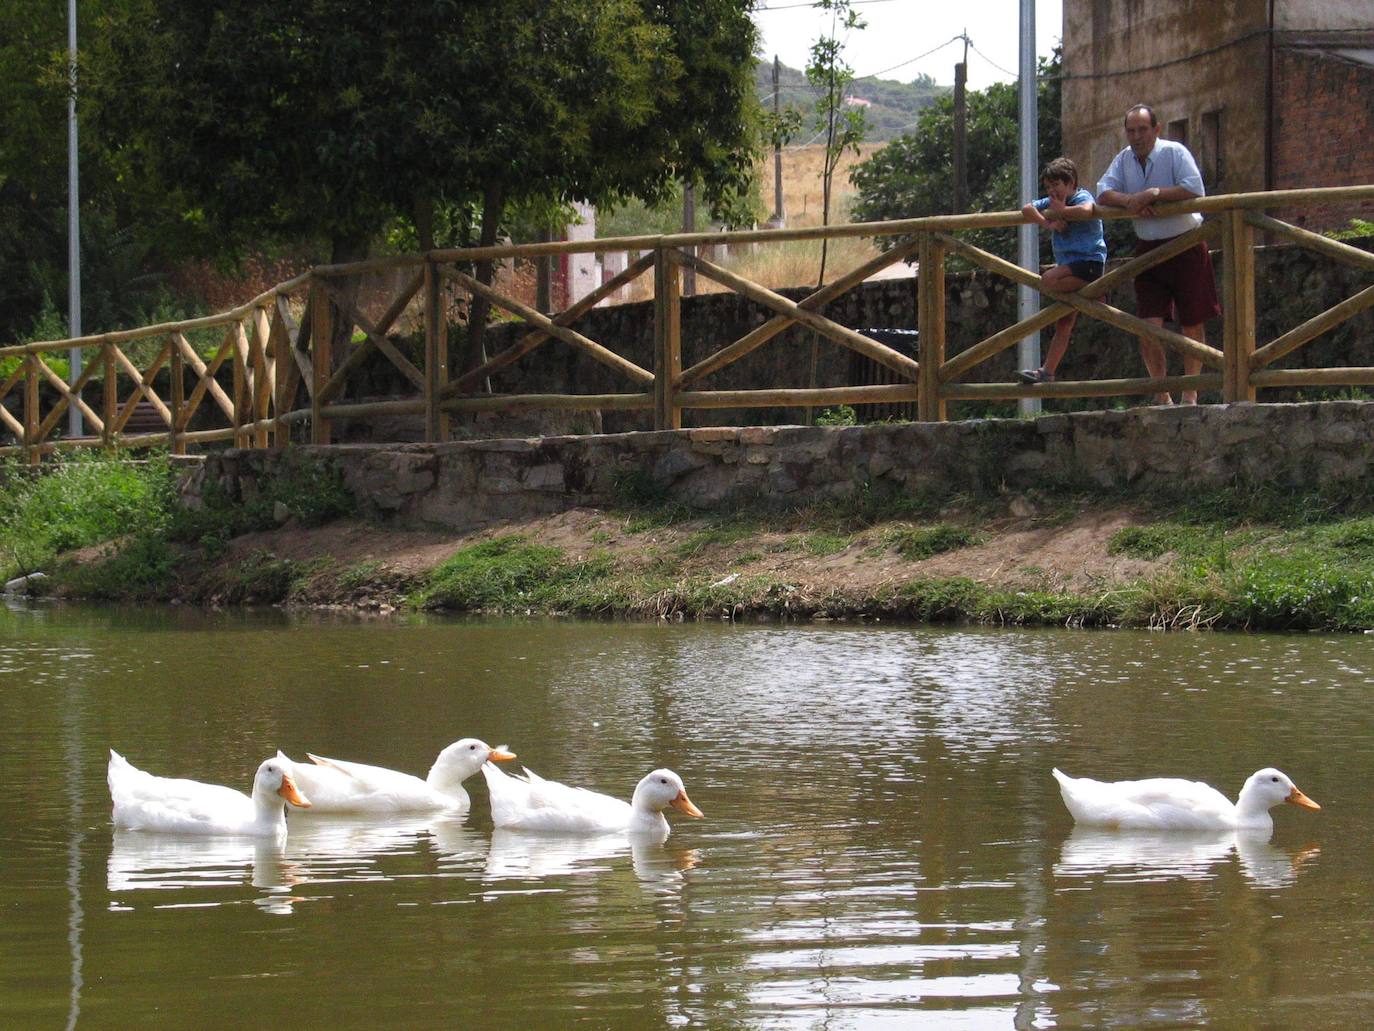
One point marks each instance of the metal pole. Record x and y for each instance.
(960, 141)
(779, 215)
(74, 423)
(1028, 243)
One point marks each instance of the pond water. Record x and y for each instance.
(883, 840)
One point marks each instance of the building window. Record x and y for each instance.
(1178, 131)
(1209, 151)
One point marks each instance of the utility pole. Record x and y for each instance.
(1028, 243)
(779, 214)
(74, 424)
(961, 133)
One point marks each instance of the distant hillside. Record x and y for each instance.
(893, 107)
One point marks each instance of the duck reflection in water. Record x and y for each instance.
(161, 862)
(517, 855)
(324, 849)
(1166, 855)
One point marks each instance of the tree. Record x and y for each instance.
(830, 76)
(329, 117)
(121, 220)
(913, 176)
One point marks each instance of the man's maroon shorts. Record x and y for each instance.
(1186, 280)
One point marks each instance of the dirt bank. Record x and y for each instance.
(1024, 548)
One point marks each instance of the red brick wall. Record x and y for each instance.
(1323, 132)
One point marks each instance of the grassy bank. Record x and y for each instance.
(1236, 559)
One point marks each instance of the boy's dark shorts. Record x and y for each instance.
(1087, 270)
(1185, 281)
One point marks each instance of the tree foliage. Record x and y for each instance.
(913, 176)
(120, 222)
(328, 117)
(224, 127)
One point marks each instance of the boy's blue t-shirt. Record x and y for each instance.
(1081, 241)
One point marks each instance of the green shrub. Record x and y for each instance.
(311, 491)
(509, 573)
(1148, 542)
(143, 568)
(840, 415)
(920, 542)
(822, 544)
(76, 500)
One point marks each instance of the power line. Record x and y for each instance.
(985, 57)
(910, 60)
(790, 7)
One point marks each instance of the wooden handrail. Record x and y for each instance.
(271, 355)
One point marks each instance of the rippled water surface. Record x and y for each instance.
(883, 839)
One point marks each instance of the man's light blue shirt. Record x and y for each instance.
(1169, 164)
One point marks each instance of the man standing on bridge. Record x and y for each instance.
(1149, 171)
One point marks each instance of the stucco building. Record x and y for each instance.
(1268, 94)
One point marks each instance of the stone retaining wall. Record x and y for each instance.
(468, 483)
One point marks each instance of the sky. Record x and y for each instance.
(899, 30)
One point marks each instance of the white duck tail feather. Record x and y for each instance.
(320, 760)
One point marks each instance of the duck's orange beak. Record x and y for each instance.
(683, 804)
(500, 755)
(1296, 797)
(289, 792)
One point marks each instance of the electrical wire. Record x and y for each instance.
(985, 57)
(789, 7)
(909, 60)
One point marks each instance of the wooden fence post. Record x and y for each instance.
(177, 395)
(262, 376)
(238, 346)
(436, 354)
(32, 452)
(109, 409)
(1238, 320)
(667, 340)
(283, 362)
(321, 356)
(930, 322)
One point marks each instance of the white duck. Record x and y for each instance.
(531, 803)
(336, 786)
(1169, 803)
(147, 803)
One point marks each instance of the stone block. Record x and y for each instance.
(548, 476)
(673, 464)
(713, 433)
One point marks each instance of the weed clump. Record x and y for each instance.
(76, 501)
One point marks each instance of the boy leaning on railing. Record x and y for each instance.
(1080, 251)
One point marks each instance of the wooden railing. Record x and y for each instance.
(272, 352)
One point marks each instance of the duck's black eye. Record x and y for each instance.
(663, 780)
(1274, 779)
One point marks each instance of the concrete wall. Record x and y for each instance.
(1300, 15)
(465, 484)
(1186, 59)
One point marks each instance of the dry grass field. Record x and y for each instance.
(801, 183)
(798, 263)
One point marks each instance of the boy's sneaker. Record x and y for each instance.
(1035, 376)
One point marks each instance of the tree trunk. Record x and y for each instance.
(345, 248)
(493, 207)
(424, 221)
